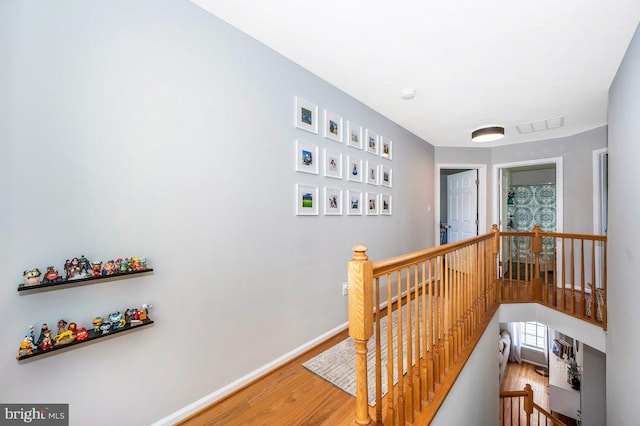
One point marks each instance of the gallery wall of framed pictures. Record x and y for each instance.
(355, 173)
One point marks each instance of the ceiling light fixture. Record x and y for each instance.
(408, 94)
(487, 134)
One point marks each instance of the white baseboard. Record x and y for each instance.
(233, 386)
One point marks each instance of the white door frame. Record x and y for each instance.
(559, 187)
(597, 153)
(482, 195)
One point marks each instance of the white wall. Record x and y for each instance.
(151, 128)
(623, 255)
(475, 396)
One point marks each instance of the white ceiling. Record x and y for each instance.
(472, 63)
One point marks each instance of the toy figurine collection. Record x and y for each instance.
(69, 332)
(81, 267)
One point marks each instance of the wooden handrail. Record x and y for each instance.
(439, 301)
(529, 409)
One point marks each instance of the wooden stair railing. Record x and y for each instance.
(566, 272)
(519, 408)
(440, 300)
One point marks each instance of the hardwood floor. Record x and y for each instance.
(290, 395)
(518, 375)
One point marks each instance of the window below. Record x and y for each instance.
(533, 335)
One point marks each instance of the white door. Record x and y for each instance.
(462, 205)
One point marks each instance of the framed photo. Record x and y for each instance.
(354, 169)
(332, 164)
(332, 126)
(332, 201)
(306, 200)
(306, 115)
(372, 142)
(372, 173)
(385, 204)
(354, 203)
(385, 148)
(354, 135)
(306, 157)
(385, 176)
(371, 204)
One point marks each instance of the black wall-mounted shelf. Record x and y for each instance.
(92, 337)
(69, 283)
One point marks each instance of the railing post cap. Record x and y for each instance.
(494, 228)
(360, 252)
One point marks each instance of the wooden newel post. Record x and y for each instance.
(495, 250)
(361, 324)
(536, 248)
(528, 402)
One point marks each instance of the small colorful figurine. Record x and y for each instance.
(109, 268)
(123, 265)
(72, 269)
(97, 322)
(31, 277)
(96, 268)
(46, 341)
(117, 320)
(62, 325)
(64, 338)
(51, 276)
(84, 265)
(26, 347)
(105, 327)
(142, 264)
(82, 334)
(43, 330)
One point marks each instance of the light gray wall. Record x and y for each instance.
(465, 403)
(576, 152)
(593, 387)
(623, 255)
(151, 128)
(533, 177)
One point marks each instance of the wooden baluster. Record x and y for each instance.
(401, 403)
(440, 322)
(536, 249)
(431, 331)
(424, 330)
(409, 377)
(583, 309)
(417, 383)
(564, 278)
(594, 280)
(447, 312)
(455, 305)
(391, 411)
(360, 300)
(573, 278)
(376, 296)
(555, 272)
(604, 286)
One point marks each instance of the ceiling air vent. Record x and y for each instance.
(540, 126)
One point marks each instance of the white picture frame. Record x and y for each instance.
(386, 176)
(306, 115)
(386, 207)
(307, 200)
(332, 164)
(354, 135)
(332, 201)
(386, 148)
(371, 141)
(372, 173)
(354, 203)
(371, 204)
(332, 126)
(306, 157)
(354, 169)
